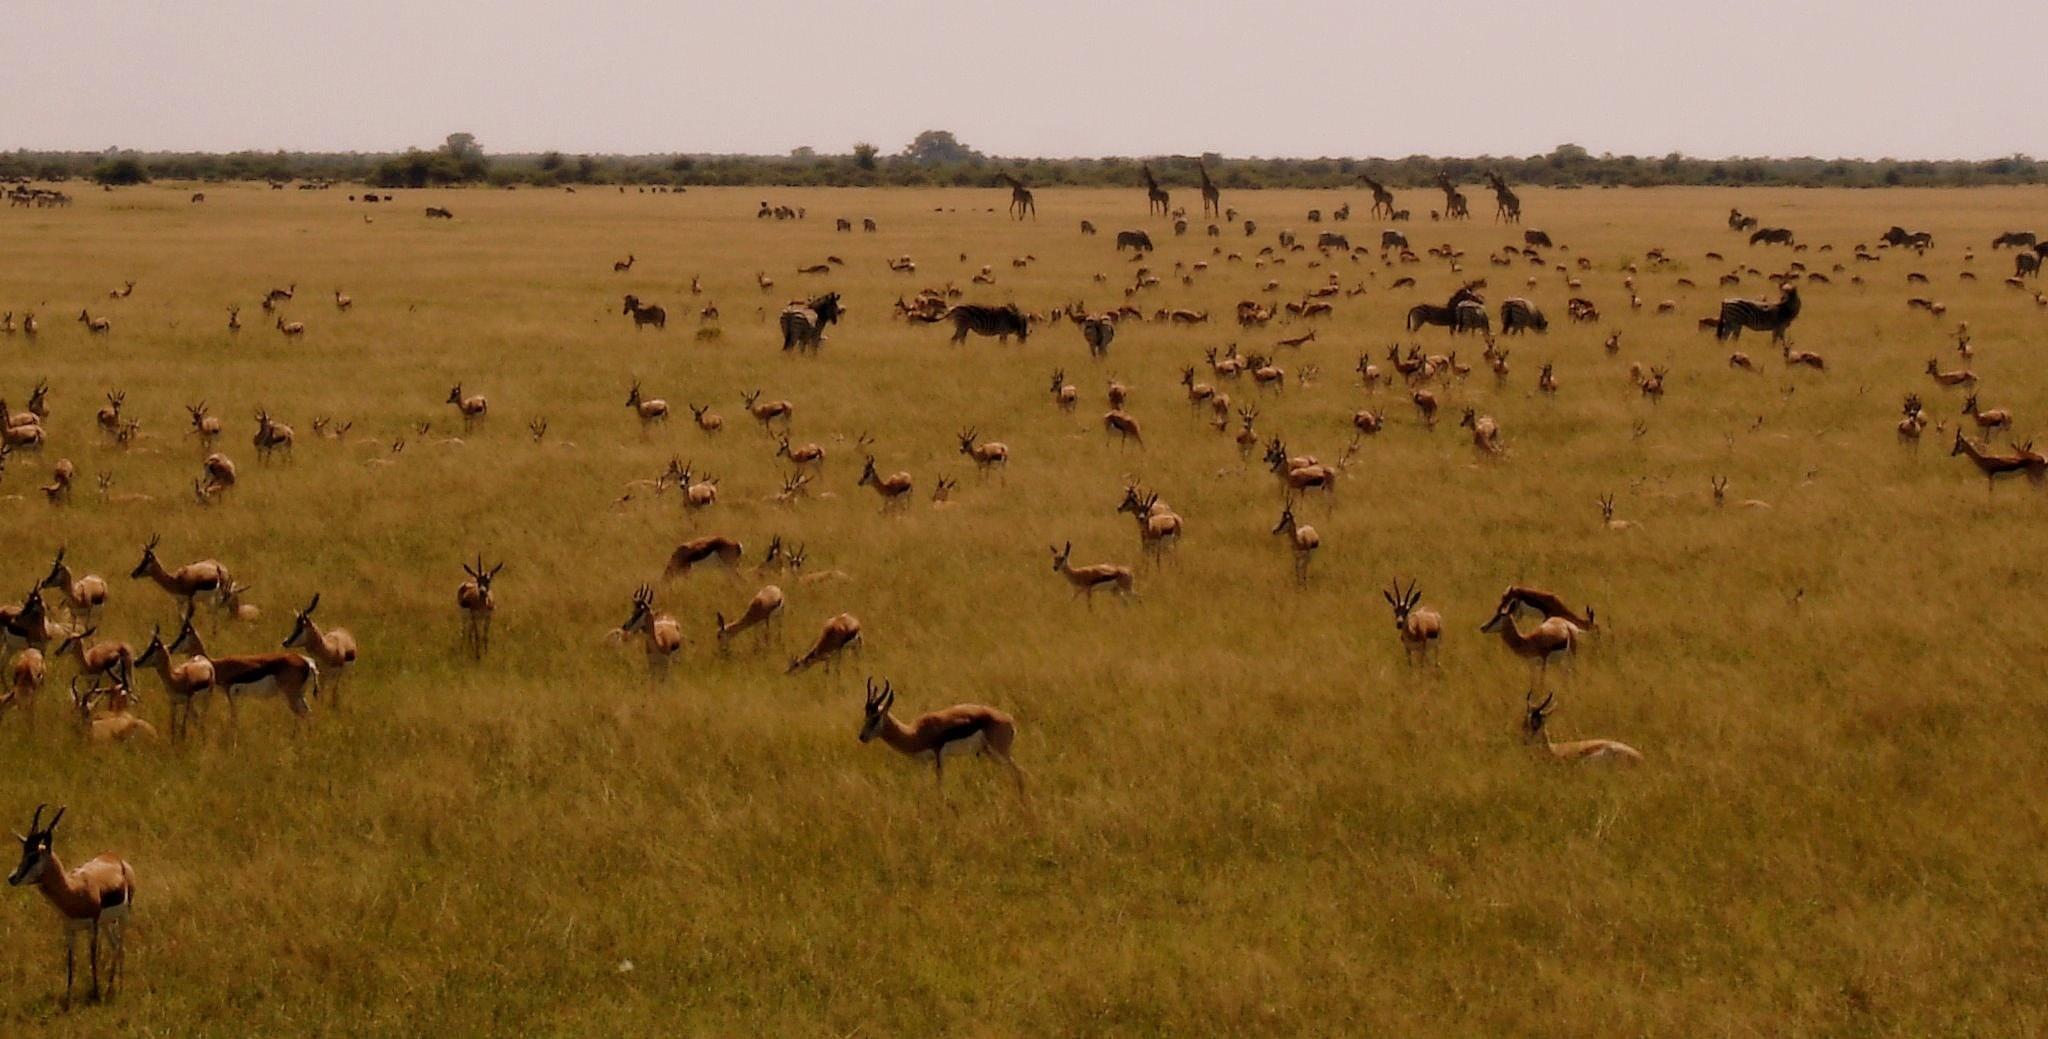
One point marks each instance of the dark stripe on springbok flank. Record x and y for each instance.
(962, 731)
(244, 670)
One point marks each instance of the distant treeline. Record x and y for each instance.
(947, 164)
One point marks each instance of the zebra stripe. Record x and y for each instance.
(1758, 315)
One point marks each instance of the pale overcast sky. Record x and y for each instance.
(1862, 78)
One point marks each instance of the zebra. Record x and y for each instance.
(1759, 315)
(1535, 239)
(1001, 322)
(2016, 239)
(1156, 198)
(647, 315)
(1772, 236)
(1099, 331)
(803, 324)
(1518, 315)
(1087, 227)
(1138, 240)
(1332, 240)
(1738, 222)
(2026, 265)
(1393, 240)
(1460, 316)
(436, 212)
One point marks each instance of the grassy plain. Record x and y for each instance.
(1251, 815)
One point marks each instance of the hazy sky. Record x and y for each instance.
(1866, 78)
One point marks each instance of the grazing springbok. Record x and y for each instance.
(1519, 597)
(1301, 537)
(762, 610)
(1124, 425)
(116, 723)
(333, 649)
(661, 636)
(473, 408)
(83, 596)
(1553, 636)
(893, 488)
(111, 657)
(1420, 627)
(766, 412)
(707, 420)
(805, 455)
(986, 454)
(1575, 751)
(478, 603)
(94, 897)
(25, 674)
(186, 582)
(840, 633)
(1063, 392)
(1086, 579)
(650, 410)
(958, 730)
(291, 329)
(713, 547)
(183, 682)
(1485, 431)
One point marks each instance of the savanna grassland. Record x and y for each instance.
(1249, 814)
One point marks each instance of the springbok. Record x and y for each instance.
(762, 610)
(1425, 406)
(1553, 636)
(1996, 418)
(1420, 628)
(707, 420)
(806, 455)
(717, 547)
(1607, 515)
(204, 426)
(1485, 431)
(661, 636)
(894, 488)
(95, 325)
(271, 436)
(183, 683)
(840, 633)
(109, 415)
(94, 897)
(987, 454)
(961, 729)
(342, 302)
(29, 624)
(1301, 537)
(333, 649)
(1720, 485)
(284, 675)
(83, 596)
(1159, 527)
(111, 657)
(473, 408)
(1124, 425)
(25, 674)
(186, 582)
(650, 410)
(1086, 579)
(1063, 392)
(234, 319)
(478, 603)
(1991, 465)
(116, 723)
(1575, 751)
(291, 329)
(217, 476)
(1549, 605)
(1958, 377)
(766, 412)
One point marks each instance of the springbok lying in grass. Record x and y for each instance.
(1534, 715)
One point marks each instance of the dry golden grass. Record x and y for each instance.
(1250, 814)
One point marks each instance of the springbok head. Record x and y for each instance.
(877, 709)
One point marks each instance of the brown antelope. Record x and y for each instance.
(478, 603)
(333, 649)
(95, 325)
(473, 408)
(1310, 475)
(93, 898)
(706, 419)
(29, 326)
(111, 657)
(58, 490)
(25, 674)
(621, 266)
(183, 683)
(763, 610)
(958, 730)
(1369, 420)
(1247, 437)
(942, 491)
(1198, 392)
(1265, 374)
(1159, 528)
(1607, 515)
(116, 723)
(697, 494)
(840, 634)
(766, 412)
(271, 436)
(1915, 419)
(280, 295)
(807, 455)
(184, 583)
(204, 426)
(28, 624)
(1118, 393)
(341, 302)
(284, 675)
(1518, 597)
(661, 636)
(291, 329)
(1959, 377)
(1420, 628)
(217, 475)
(1996, 418)
(1553, 636)
(987, 454)
(1741, 360)
(792, 489)
(109, 415)
(1123, 425)
(715, 547)
(1991, 465)
(231, 602)
(796, 566)
(234, 319)
(1575, 751)
(894, 488)
(1063, 393)
(83, 596)
(650, 410)
(1425, 405)
(1720, 484)
(1799, 357)
(1087, 579)
(1301, 537)
(1547, 380)
(1485, 431)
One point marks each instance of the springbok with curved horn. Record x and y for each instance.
(204, 426)
(762, 610)
(473, 407)
(94, 897)
(478, 603)
(1086, 579)
(83, 597)
(766, 412)
(803, 455)
(116, 723)
(650, 410)
(894, 488)
(1419, 626)
(333, 649)
(840, 634)
(713, 547)
(707, 420)
(1301, 537)
(987, 455)
(183, 682)
(1520, 597)
(1574, 751)
(958, 730)
(661, 636)
(112, 657)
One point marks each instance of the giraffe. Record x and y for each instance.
(1505, 205)
(1155, 196)
(1212, 199)
(1382, 199)
(1020, 197)
(1454, 200)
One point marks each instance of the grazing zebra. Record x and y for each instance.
(1138, 240)
(1156, 199)
(1087, 227)
(1899, 237)
(1020, 197)
(436, 212)
(1772, 236)
(803, 324)
(1001, 322)
(1461, 316)
(1332, 240)
(1212, 199)
(2026, 265)
(1506, 206)
(1738, 222)
(1099, 331)
(1518, 315)
(1393, 240)
(1454, 200)
(1382, 199)
(647, 315)
(2016, 239)
(1759, 315)
(867, 224)
(1535, 239)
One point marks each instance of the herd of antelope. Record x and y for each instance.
(55, 629)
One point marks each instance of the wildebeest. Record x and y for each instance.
(1761, 315)
(1134, 240)
(982, 320)
(1393, 240)
(438, 212)
(1772, 236)
(1899, 237)
(2026, 265)
(1331, 240)
(803, 324)
(1518, 315)
(2016, 239)
(645, 315)
(1536, 239)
